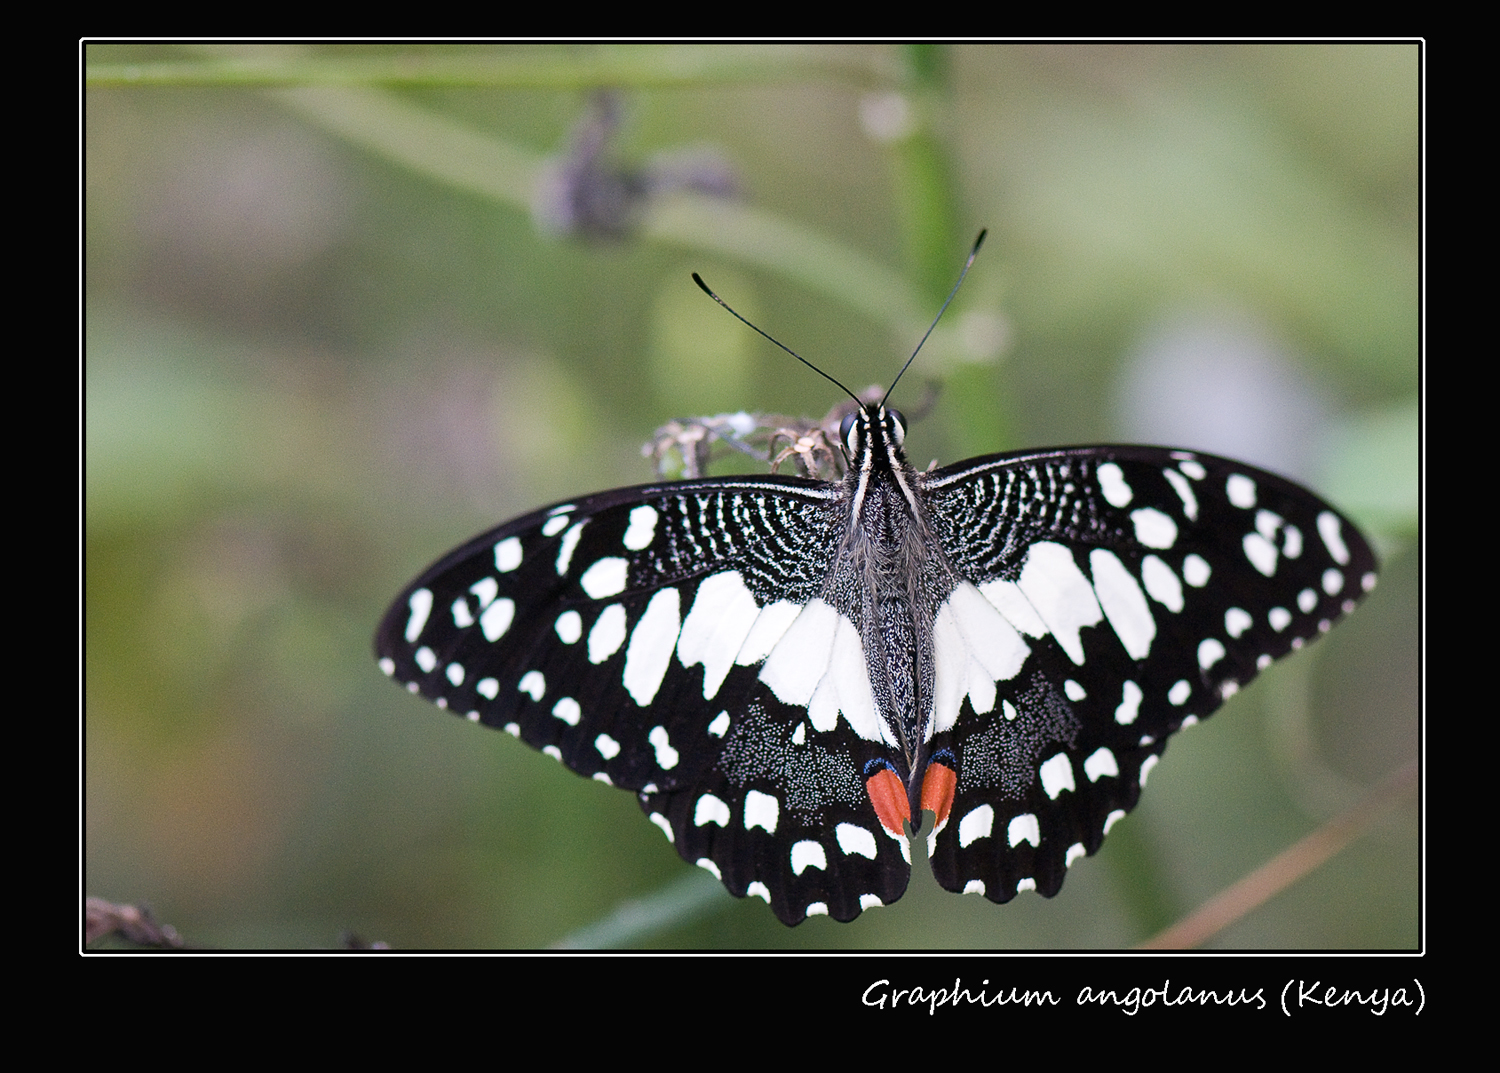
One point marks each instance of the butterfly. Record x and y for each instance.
(789, 673)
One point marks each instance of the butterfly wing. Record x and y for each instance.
(1143, 586)
(624, 634)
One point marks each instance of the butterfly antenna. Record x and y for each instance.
(699, 281)
(951, 294)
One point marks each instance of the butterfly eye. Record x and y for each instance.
(846, 433)
(896, 423)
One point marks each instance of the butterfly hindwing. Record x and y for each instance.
(782, 814)
(1145, 586)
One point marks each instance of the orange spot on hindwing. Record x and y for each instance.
(938, 784)
(888, 795)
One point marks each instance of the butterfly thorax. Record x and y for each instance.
(888, 576)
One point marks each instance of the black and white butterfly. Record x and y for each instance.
(788, 671)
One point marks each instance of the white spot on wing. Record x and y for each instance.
(710, 809)
(420, 603)
(657, 818)
(761, 810)
(1101, 763)
(497, 619)
(1011, 602)
(1195, 571)
(1333, 581)
(608, 634)
(710, 867)
(568, 711)
(485, 589)
(976, 825)
(1130, 704)
(1123, 602)
(609, 749)
(1261, 553)
(1184, 492)
(1161, 583)
(605, 578)
(1113, 818)
(1331, 529)
(1241, 491)
(819, 664)
(508, 554)
(651, 645)
(533, 685)
(1146, 766)
(1024, 828)
(455, 673)
(1074, 690)
(462, 618)
(565, 549)
(722, 616)
(1153, 528)
(799, 660)
(642, 528)
(1075, 851)
(855, 839)
(1114, 486)
(770, 626)
(426, 659)
(720, 726)
(1279, 618)
(557, 523)
(489, 688)
(1061, 595)
(805, 855)
(569, 627)
(845, 689)
(666, 756)
(973, 648)
(1057, 775)
(1180, 692)
(1236, 621)
(758, 889)
(1306, 601)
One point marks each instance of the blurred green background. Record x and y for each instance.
(328, 336)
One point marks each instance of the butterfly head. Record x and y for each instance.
(873, 432)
